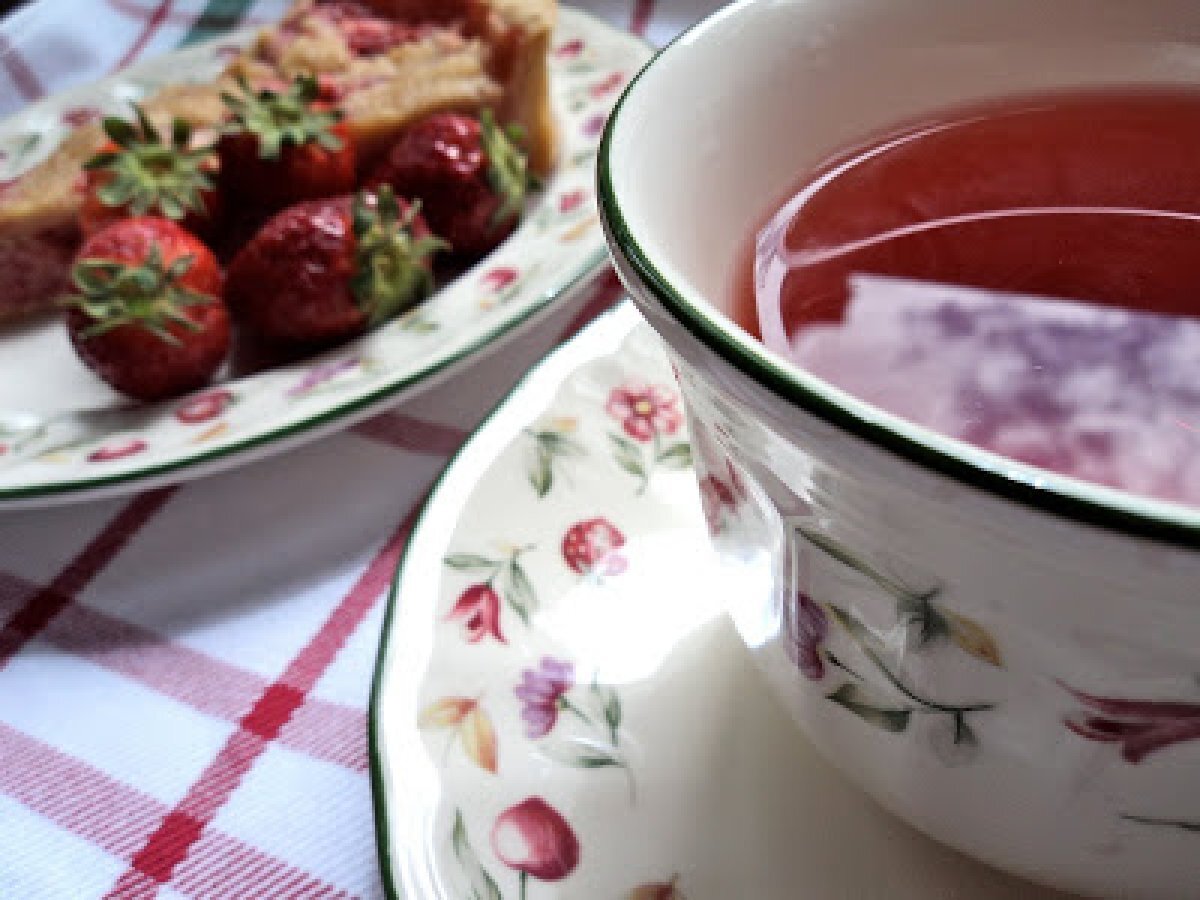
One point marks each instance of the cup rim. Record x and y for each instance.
(1063, 496)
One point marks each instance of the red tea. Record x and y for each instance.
(1024, 276)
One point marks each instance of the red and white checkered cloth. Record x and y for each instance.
(184, 673)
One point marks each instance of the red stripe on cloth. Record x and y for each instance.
(43, 606)
(181, 829)
(117, 818)
(643, 12)
(154, 21)
(332, 732)
(603, 293)
(410, 433)
(135, 10)
(24, 79)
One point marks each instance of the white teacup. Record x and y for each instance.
(1006, 658)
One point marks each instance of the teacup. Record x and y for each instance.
(1007, 659)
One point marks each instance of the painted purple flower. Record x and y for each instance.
(321, 374)
(807, 626)
(541, 692)
(1140, 727)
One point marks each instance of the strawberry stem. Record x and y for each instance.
(279, 120)
(508, 168)
(392, 273)
(113, 294)
(149, 175)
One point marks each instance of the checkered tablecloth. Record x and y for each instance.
(184, 673)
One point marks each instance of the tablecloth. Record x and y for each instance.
(184, 673)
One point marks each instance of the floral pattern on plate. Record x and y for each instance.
(609, 739)
(58, 426)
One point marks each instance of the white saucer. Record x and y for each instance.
(685, 779)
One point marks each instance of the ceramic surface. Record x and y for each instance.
(1004, 657)
(65, 436)
(560, 694)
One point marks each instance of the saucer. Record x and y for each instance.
(561, 709)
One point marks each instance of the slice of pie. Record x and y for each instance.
(385, 63)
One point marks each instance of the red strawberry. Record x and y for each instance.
(591, 546)
(136, 174)
(280, 148)
(468, 174)
(329, 269)
(147, 315)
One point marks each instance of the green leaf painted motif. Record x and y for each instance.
(549, 446)
(541, 471)
(835, 550)
(851, 697)
(520, 594)
(919, 612)
(629, 457)
(612, 715)
(677, 456)
(470, 562)
(480, 885)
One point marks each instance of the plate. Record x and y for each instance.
(66, 436)
(561, 708)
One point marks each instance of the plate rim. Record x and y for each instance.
(289, 435)
(606, 330)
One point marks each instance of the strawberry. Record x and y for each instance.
(279, 148)
(468, 173)
(137, 173)
(326, 270)
(146, 315)
(591, 546)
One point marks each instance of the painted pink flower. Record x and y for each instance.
(716, 499)
(534, 839)
(571, 200)
(570, 49)
(499, 278)
(541, 694)
(592, 547)
(78, 116)
(607, 85)
(807, 628)
(118, 450)
(479, 609)
(644, 411)
(1139, 727)
(205, 407)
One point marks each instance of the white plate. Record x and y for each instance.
(685, 778)
(66, 436)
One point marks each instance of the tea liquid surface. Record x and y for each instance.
(1024, 276)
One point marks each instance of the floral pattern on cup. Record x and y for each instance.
(1138, 727)
(648, 414)
(868, 684)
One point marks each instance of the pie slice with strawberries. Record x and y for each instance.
(383, 63)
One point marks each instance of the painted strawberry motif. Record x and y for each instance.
(205, 407)
(479, 608)
(591, 547)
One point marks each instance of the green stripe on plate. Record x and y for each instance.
(218, 17)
